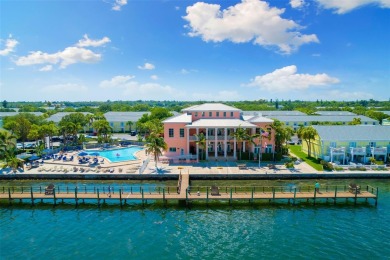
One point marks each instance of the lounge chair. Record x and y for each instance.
(111, 170)
(214, 191)
(49, 190)
(354, 188)
(120, 169)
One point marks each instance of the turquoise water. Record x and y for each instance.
(241, 231)
(118, 155)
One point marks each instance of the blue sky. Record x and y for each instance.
(190, 50)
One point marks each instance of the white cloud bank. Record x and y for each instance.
(135, 90)
(10, 45)
(70, 55)
(344, 6)
(86, 42)
(147, 66)
(115, 81)
(287, 78)
(117, 6)
(249, 21)
(297, 3)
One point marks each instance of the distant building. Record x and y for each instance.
(335, 113)
(118, 120)
(355, 143)
(296, 121)
(217, 122)
(273, 113)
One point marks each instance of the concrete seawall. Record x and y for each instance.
(218, 176)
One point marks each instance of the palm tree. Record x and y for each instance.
(7, 142)
(201, 142)
(130, 124)
(155, 145)
(241, 136)
(103, 129)
(251, 139)
(308, 134)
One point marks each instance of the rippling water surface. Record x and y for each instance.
(241, 231)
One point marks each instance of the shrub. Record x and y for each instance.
(339, 169)
(289, 164)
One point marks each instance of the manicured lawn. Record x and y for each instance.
(296, 149)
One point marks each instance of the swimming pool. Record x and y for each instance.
(118, 155)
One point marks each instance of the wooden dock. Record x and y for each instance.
(184, 193)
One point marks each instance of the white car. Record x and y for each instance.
(19, 146)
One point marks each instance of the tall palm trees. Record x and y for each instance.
(7, 143)
(155, 146)
(201, 142)
(241, 135)
(307, 134)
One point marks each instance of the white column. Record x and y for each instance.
(188, 141)
(253, 147)
(225, 144)
(207, 143)
(197, 145)
(234, 146)
(216, 142)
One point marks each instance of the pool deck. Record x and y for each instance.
(56, 169)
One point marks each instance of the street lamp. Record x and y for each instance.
(259, 152)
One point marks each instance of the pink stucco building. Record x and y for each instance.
(217, 122)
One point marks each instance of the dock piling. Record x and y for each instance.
(32, 196)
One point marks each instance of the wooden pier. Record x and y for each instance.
(184, 193)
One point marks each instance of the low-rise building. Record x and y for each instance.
(296, 121)
(119, 120)
(217, 122)
(355, 143)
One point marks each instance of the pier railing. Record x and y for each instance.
(63, 189)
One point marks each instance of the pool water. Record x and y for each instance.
(118, 155)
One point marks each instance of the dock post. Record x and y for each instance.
(356, 190)
(273, 194)
(32, 197)
(376, 197)
(164, 201)
(295, 194)
(231, 196)
(187, 196)
(75, 196)
(120, 197)
(252, 195)
(142, 192)
(315, 195)
(207, 195)
(54, 197)
(335, 195)
(98, 197)
(9, 196)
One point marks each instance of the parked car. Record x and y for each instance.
(133, 133)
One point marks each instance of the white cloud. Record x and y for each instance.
(249, 21)
(10, 45)
(46, 68)
(69, 55)
(134, 90)
(297, 3)
(118, 4)
(177, 8)
(184, 71)
(146, 66)
(344, 6)
(116, 81)
(154, 77)
(86, 42)
(287, 78)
